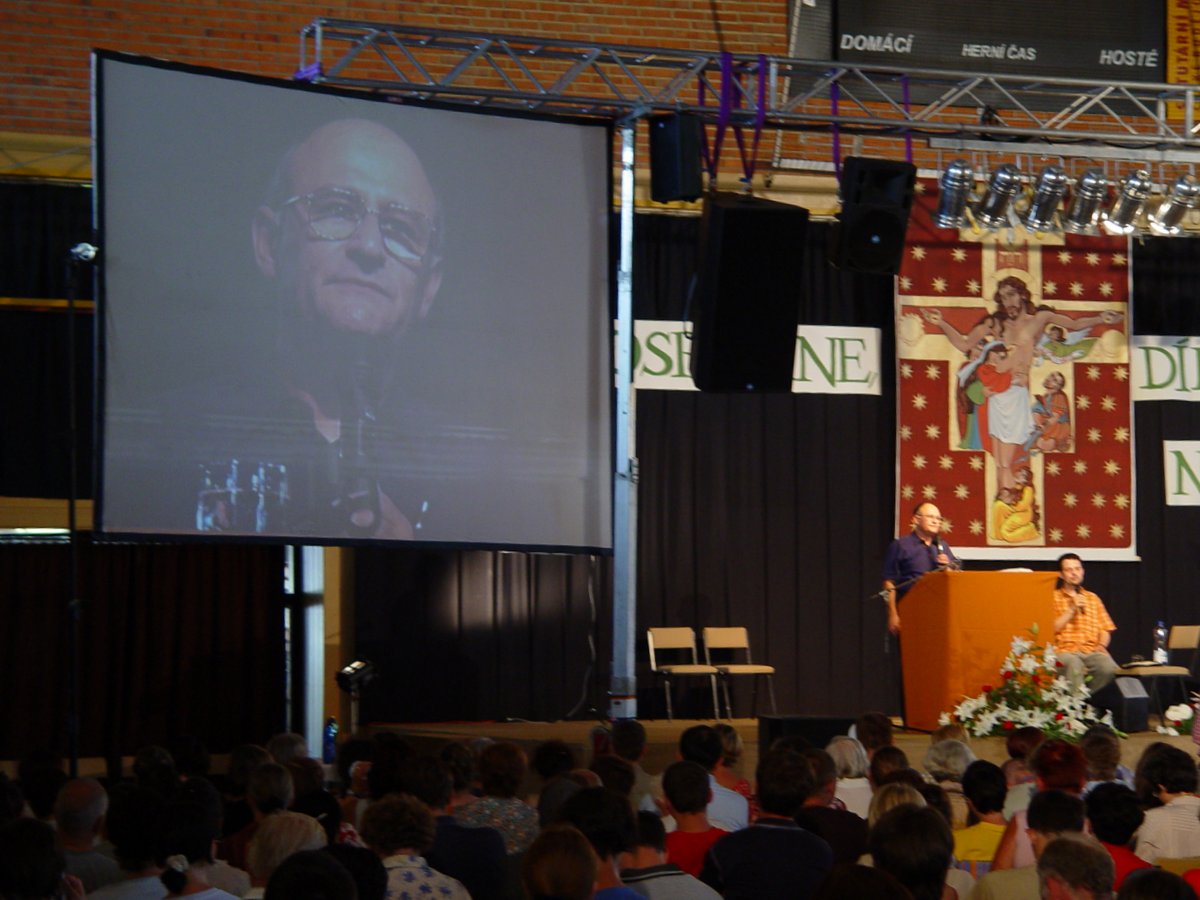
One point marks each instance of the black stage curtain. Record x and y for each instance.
(483, 635)
(35, 438)
(40, 224)
(174, 640)
(769, 511)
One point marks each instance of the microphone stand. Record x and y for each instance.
(902, 586)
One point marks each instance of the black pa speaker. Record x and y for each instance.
(877, 197)
(1126, 698)
(675, 158)
(817, 730)
(746, 294)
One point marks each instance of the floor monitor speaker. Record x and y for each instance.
(746, 295)
(877, 197)
(817, 730)
(1126, 698)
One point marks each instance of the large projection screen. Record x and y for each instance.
(325, 317)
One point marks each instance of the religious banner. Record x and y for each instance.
(1013, 395)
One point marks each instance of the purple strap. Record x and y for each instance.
(907, 112)
(731, 99)
(837, 132)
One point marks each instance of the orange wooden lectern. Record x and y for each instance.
(958, 627)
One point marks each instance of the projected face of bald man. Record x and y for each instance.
(353, 241)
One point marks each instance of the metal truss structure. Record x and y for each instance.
(951, 109)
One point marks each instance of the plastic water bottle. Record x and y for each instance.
(1160, 643)
(329, 740)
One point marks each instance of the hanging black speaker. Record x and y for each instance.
(746, 295)
(877, 197)
(675, 158)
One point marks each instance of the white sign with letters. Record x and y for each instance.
(829, 359)
(1181, 472)
(1165, 368)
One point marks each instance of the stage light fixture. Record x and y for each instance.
(1083, 214)
(956, 184)
(1166, 218)
(1050, 189)
(992, 212)
(1128, 204)
(356, 676)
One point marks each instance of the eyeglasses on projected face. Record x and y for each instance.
(336, 214)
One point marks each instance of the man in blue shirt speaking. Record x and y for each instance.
(910, 557)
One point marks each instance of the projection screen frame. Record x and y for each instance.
(111, 527)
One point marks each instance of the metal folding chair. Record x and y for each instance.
(679, 645)
(736, 640)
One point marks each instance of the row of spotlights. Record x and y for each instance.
(1089, 211)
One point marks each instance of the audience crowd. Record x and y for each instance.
(485, 820)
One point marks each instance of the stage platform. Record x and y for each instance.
(663, 735)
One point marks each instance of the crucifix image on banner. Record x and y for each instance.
(1013, 395)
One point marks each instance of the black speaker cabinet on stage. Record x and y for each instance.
(817, 730)
(746, 296)
(877, 197)
(675, 158)
(1127, 699)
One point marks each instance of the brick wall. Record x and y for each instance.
(48, 42)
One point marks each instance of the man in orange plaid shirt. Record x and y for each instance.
(1082, 627)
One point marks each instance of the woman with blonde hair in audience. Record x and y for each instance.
(889, 796)
(278, 836)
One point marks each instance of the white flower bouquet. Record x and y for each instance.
(1031, 690)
